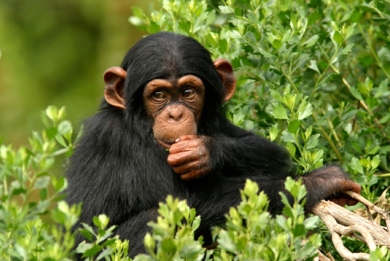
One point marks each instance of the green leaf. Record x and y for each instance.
(85, 233)
(385, 119)
(291, 149)
(88, 250)
(311, 222)
(265, 53)
(226, 242)
(373, 180)
(43, 194)
(105, 253)
(274, 132)
(42, 182)
(168, 246)
(52, 113)
(226, 9)
(299, 230)
(337, 38)
(64, 127)
(279, 112)
(88, 228)
(349, 30)
(101, 221)
(355, 165)
(293, 126)
(382, 89)
(347, 49)
(313, 66)
(375, 162)
(379, 253)
(277, 44)
(356, 94)
(312, 142)
(288, 137)
(311, 41)
(191, 251)
(149, 242)
(282, 222)
(136, 21)
(250, 188)
(304, 110)
(276, 95)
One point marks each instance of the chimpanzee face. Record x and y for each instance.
(175, 82)
(175, 107)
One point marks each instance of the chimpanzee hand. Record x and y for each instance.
(190, 157)
(329, 183)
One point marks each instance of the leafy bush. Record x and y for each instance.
(250, 233)
(312, 76)
(27, 194)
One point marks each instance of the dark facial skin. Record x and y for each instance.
(175, 108)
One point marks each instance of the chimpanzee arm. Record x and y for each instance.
(251, 156)
(329, 183)
(242, 153)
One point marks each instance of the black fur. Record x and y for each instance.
(118, 169)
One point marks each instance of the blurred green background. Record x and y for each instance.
(55, 52)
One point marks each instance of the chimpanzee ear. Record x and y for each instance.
(114, 78)
(225, 71)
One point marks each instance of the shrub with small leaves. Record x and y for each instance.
(28, 191)
(173, 234)
(102, 243)
(251, 233)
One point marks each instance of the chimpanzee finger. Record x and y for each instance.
(189, 167)
(181, 158)
(178, 147)
(353, 186)
(186, 145)
(339, 201)
(351, 202)
(344, 200)
(194, 175)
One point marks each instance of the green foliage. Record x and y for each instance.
(28, 191)
(172, 236)
(312, 76)
(35, 224)
(102, 245)
(251, 233)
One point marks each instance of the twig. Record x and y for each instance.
(342, 222)
(371, 206)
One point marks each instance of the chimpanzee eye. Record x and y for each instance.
(159, 95)
(187, 93)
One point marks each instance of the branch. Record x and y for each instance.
(342, 222)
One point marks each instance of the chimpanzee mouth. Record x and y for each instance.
(165, 143)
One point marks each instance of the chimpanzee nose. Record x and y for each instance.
(175, 112)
